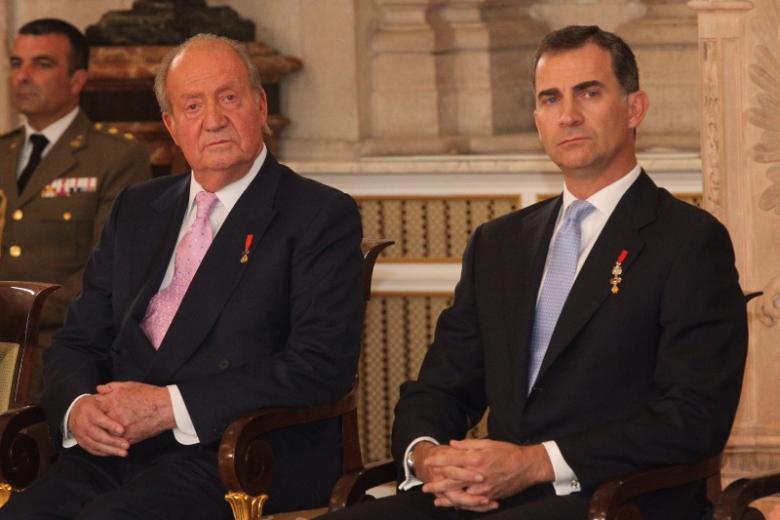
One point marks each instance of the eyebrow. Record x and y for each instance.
(585, 85)
(579, 87)
(37, 57)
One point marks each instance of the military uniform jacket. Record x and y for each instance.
(51, 226)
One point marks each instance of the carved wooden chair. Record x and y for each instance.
(613, 500)
(245, 460)
(20, 309)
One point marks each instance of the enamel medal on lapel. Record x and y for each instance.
(247, 246)
(617, 272)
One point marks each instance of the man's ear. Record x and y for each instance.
(170, 125)
(638, 105)
(78, 80)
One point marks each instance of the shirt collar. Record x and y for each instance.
(54, 131)
(229, 195)
(606, 199)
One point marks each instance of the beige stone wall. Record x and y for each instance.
(390, 77)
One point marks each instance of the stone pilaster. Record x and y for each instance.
(739, 55)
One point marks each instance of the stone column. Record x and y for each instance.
(405, 97)
(448, 74)
(484, 55)
(740, 143)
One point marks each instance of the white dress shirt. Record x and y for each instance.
(605, 201)
(53, 132)
(184, 432)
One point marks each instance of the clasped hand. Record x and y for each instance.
(474, 474)
(119, 415)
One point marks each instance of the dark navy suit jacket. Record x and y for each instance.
(645, 377)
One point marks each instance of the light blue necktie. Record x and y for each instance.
(561, 268)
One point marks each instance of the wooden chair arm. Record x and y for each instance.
(19, 452)
(351, 488)
(735, 499)
(246, 461)
(612, 500)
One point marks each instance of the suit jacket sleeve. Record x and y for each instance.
(79, 358)
(698, 373)
(317, 362)
(448, 397)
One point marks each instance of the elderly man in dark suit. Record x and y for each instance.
(235, 287)
(604, 329)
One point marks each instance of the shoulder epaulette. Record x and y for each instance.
(113, 131)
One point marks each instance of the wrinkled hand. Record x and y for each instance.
(142, 410)
(95, 431)
(506, 469)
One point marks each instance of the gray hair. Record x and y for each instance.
(160, 80)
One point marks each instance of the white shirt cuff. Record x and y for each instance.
(184, 433)
(68, 441)
(565, 481)
(410, 479)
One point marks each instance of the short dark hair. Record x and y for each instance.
(577, 36)
(79, 50)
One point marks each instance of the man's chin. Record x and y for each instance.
(26, 105)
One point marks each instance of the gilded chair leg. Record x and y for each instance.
(5, 493)
(246, 507)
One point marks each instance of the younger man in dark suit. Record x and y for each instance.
(234, 287)
(604, 329)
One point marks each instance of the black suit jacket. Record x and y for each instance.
(645, 377)
(282, 329)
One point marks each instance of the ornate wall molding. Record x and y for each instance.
(764, 115)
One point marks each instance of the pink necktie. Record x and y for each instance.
(189, 253)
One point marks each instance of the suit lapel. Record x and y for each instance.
(218, 274)
(9, 159)
(591, 288)
(59, 160)
(522, 259)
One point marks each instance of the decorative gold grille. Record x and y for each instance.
(429, 228)
(396, 337)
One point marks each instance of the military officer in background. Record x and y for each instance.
(60, 172)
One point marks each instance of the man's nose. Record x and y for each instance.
(570, 113)
(215, 118)
(21, 72)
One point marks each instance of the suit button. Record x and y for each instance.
(224, 364)
(18, 215)
(67, 216)
(15, 251)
